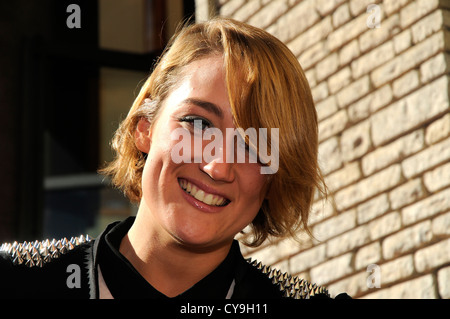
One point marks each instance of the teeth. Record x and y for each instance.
(210, 199)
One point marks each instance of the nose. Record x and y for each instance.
(218, 170)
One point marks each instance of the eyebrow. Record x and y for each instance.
(208, 106)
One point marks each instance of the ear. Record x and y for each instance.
(142, 135)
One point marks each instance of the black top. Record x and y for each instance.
(130, 284)
(68, 269)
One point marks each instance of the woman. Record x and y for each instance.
(220, 83)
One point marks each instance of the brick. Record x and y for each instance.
(321, 210)
(348, 174)
(437, 178)
(391, 6)
(307, 259)
(247, 10)
(397, 269)
(310, 37)
(432, 257)
(327, 66)
(434, 67)
(312, 55)
(371, 103)
(384, 225)
(268, 14)
(443, 277)
(355, 141)
(347, 32)
(352, 285)
(229, 7)
(339, 80)
(402, 41)
(332, 270)
(353, 92)
(320, 92)
(359, 6)
(349, 52)
(335, 225)
(370, 254)
(405, 84)
(409, 59)
(348, 241)
(274, 252)
(393, 152)
(325, 7)
(411, 111)
(415, 10)
(426, 159)
(372, 209)
(333, 125)
(438, 130)
(330, 157)
(341, 15)
(372, 59)
(407, 240)
(428, 207)
(368, 187)
(296, 20)
(406, 193)
(376, 36)
(418, 288)
(427, 26)
(441, 225)
(326, 107)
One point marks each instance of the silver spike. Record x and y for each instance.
(18, 260)
(56, 254)
(290, 286)
(70, 246)
(29, 263)
(63, 250)
(58, 244)
(52, 248)
(38, 253)
(44, 251)
(39, 263)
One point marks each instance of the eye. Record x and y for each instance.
(196, 122)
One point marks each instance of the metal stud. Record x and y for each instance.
(38, 253)
(290, 286)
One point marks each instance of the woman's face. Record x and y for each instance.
(198, 203)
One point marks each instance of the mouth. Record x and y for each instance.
(201, 195)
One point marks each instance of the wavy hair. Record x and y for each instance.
(267, 89)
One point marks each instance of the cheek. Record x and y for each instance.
(255, 183)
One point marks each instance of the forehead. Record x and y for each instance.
(203, 79)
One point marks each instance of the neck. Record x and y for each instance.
(168, 265)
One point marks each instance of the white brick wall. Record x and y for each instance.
(382, 97)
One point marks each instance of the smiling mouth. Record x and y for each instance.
(202, 196)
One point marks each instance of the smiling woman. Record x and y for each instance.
(218, 76)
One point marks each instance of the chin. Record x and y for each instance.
(201, 240)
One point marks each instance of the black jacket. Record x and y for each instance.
(68, 269)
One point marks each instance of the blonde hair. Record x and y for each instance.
(267, 89)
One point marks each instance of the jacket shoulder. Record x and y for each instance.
(42, 269)
(39, 253)
(286, 285)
